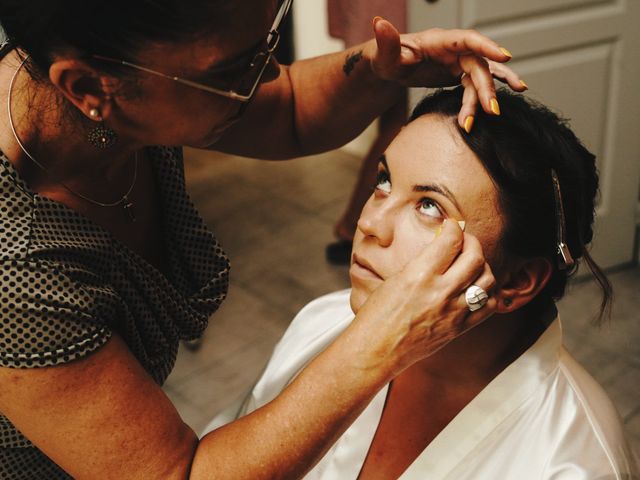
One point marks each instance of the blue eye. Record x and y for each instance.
(430, 208)
(383, 182)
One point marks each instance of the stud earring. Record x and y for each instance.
(101, 136)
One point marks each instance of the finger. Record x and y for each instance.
(470, 41)
(388, 42)
(508, 76)
(473, 319)
(486, 280)
(467, 112)
(466, 268)
(466, 320)
(478, 69)
(442, 251)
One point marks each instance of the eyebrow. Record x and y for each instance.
(431, 187)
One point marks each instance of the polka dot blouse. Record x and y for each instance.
(66, 285)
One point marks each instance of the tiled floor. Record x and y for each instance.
(274, 219)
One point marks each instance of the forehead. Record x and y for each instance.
(246, 23)
(429, 150)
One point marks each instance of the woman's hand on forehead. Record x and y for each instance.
(438, 58)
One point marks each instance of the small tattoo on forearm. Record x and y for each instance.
(351, 61)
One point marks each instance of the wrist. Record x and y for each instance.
(366, 53)
(373, 352)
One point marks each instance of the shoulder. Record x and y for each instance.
(325, 306)
(16, 212)
(310, 332)
(588, 425)
(320, 317)
(48, 317)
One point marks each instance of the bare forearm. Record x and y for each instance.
(285, 438)
(322, 103)
(348, 98)
(314, 106)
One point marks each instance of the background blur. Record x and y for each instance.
(275, 218)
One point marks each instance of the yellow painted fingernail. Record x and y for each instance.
(524, 84)
(462, 224)
(495, 108)
(468, 124)
(506, 52)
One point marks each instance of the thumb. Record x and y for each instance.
(388, 42)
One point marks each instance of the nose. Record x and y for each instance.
(377, 220)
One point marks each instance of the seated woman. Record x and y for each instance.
(505, 400)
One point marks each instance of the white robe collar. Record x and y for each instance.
(504, 394)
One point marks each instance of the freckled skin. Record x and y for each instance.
(390, 232)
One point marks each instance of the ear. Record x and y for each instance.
(83, 86)
(523, 281)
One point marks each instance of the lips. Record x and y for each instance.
(362, 267)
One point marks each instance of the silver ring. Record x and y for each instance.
(475, 297)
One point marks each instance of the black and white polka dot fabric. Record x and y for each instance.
(66, 285)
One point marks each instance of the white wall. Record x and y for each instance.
(311, 38)
(311, 35)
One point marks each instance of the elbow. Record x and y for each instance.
(181, 466)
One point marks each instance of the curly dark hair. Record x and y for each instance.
(114, 28)
(519, 149)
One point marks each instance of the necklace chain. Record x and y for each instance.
(124, 200)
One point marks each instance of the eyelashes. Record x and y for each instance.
(430, 208)
(426, 206)
(383, 182)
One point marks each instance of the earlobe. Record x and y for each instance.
(81, 85)
(523, 283)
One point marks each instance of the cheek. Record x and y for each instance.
(409, 241)
(408, 244)
(198, 120)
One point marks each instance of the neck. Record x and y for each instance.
(54, 134)
(478, 356)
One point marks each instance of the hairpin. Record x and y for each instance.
(565, 260)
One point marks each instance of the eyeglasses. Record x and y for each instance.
(248, 83)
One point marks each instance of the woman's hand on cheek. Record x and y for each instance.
(422, 308)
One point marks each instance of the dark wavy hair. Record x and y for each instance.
(519, 149)
(114, 28)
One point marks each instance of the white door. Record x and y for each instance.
(581, 58)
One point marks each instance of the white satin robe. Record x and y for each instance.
(542, 418)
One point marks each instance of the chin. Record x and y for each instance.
(357, 299)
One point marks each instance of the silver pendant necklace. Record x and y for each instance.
(125, 202)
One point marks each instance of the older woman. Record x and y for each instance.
(505, 399)
(106, 266)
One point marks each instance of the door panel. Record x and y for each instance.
(557, 78)
(580, 58)
(477, 13)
